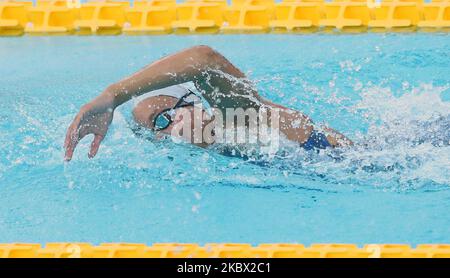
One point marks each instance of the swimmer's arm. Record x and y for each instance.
(196, 64)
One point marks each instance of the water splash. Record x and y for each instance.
(406, 145)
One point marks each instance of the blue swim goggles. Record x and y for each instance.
(165, 117)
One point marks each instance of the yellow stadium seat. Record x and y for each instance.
(346, 16)
(278, 250)
(183, 252)
(101, 18)
(387, 250)
(59, 3)
(203, 253)
(270, 4)
(26, 3)
(149, 19)
(247, 18)
(174, 244)
(340, 251)
(296, 17)
(198, 17)
(222, 3)
(395, 16)
(348, 254)
(171, 4)
(124, 3)
(19, 250)
(13, 18)
(50, 20)
(145, 3)
(173, 250)
(65, 250)
(228, 250)
(261, 252)
(232, 252)
(434, 250)
(310, 253)
(334, 251)
(154, 252)
(436, 16)
(281, 245)
(433, 246)
(118, 250)
(219, 245)
(334, 246)
(394, 251)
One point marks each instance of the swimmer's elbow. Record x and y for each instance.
(204, 50)
(206, 54)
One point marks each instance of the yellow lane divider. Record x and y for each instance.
(223, 250)
(109, 17)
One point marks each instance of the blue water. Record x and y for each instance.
(389, 93)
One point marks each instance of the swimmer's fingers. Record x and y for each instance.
(95, 145)
(72, 139)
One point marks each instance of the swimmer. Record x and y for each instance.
(219, 83)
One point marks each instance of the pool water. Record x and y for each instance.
(389, 93)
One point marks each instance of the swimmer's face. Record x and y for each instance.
(184, 119)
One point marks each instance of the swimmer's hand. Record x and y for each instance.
(93, 118)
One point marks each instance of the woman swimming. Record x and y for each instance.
(225, 89)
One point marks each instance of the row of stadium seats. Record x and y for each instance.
(213, 16)
(227, 250)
